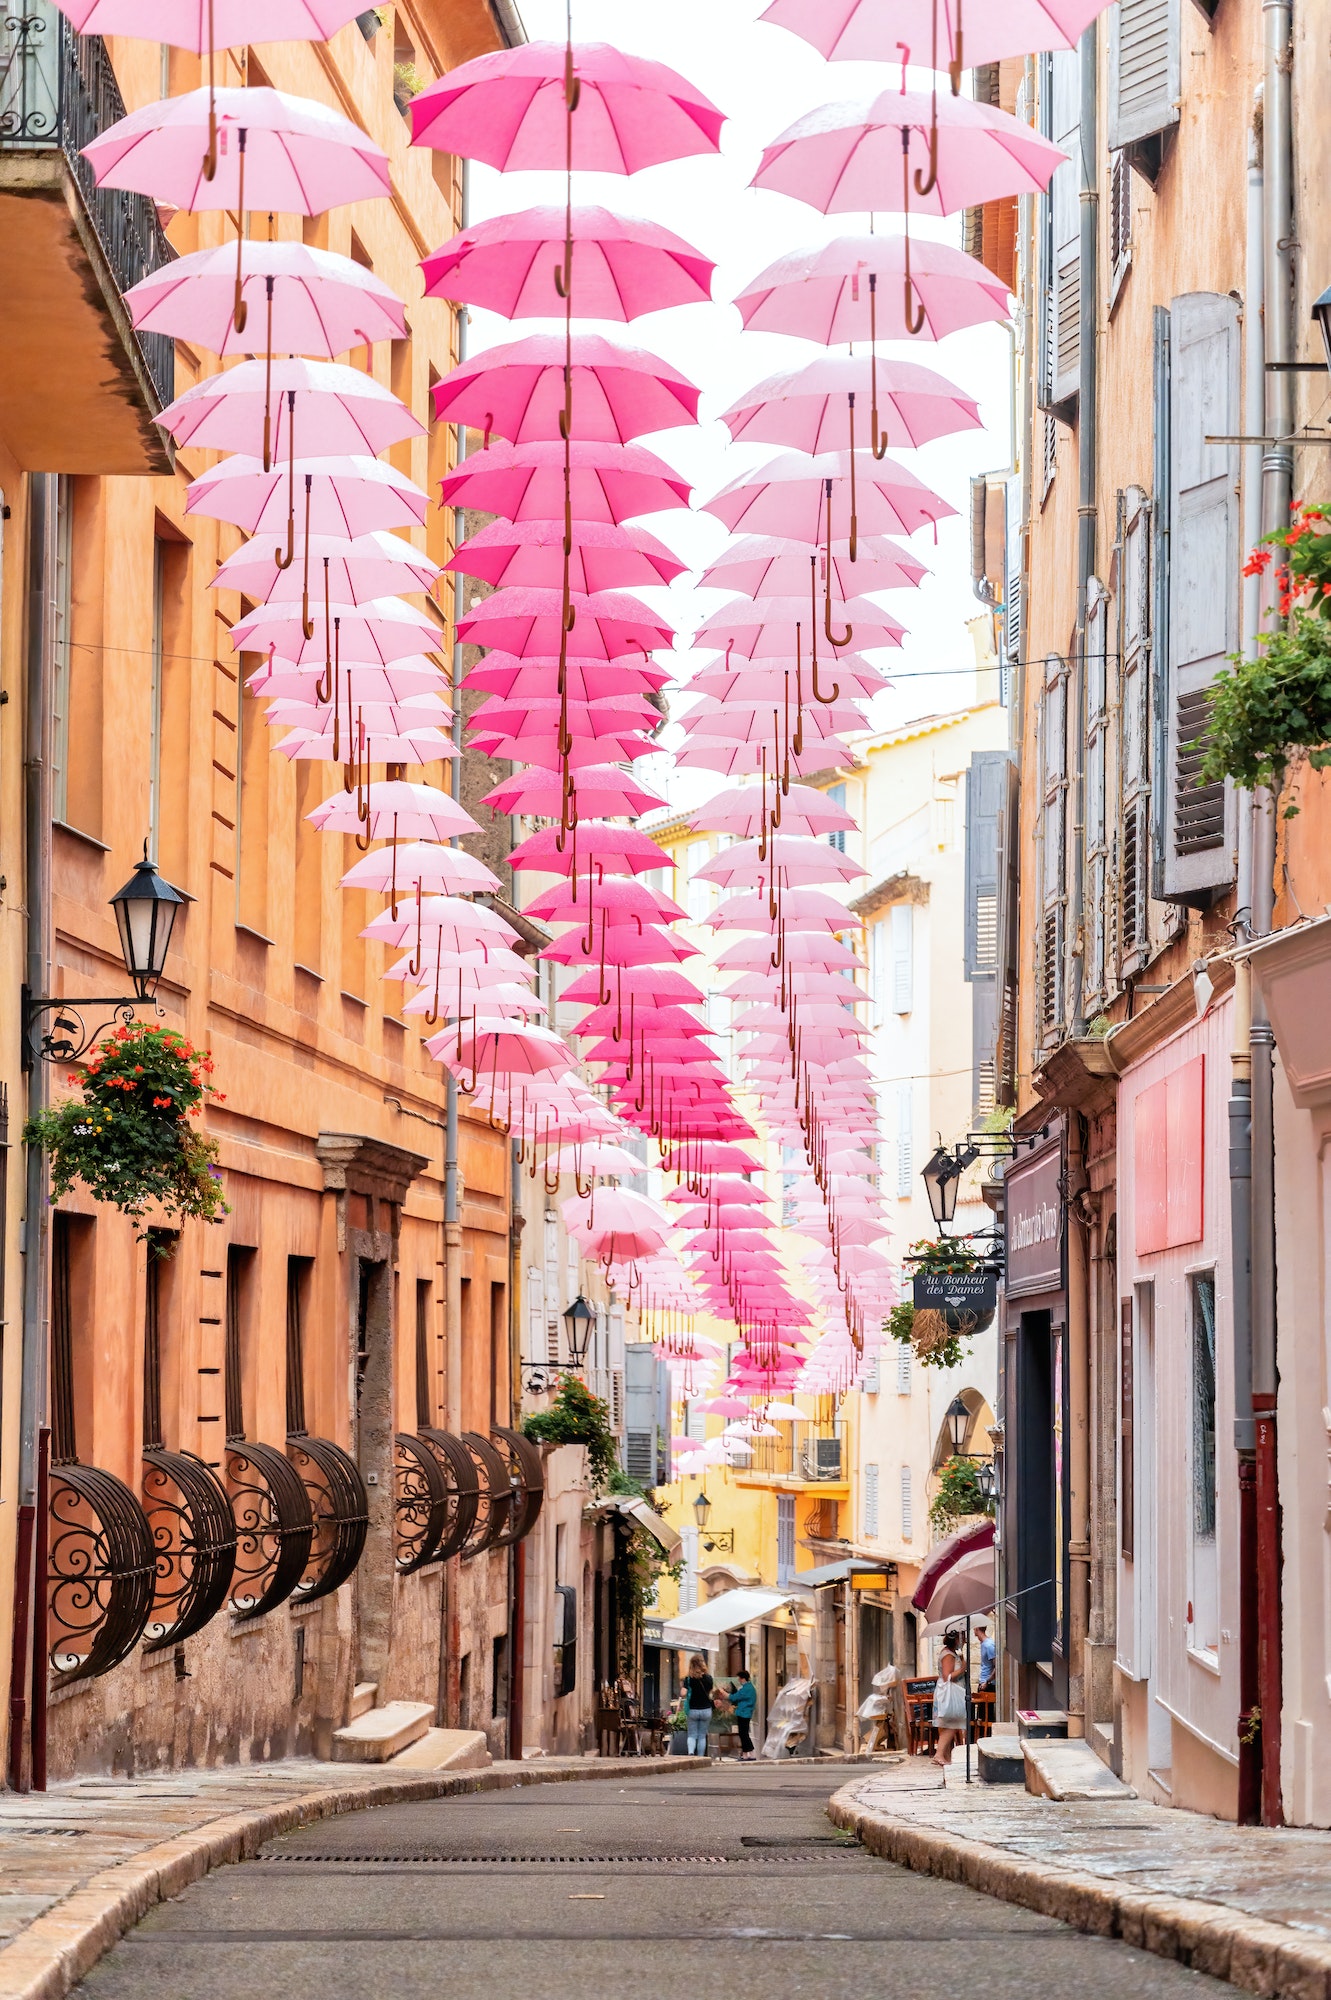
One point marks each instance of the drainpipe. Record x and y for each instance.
(452, 1205)
(1086, 481)
(1277, 490)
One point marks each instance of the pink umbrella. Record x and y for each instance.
(498, 996)
(212, 24)
(812, 408)
(291, 155)
(626, 266)
(853, 290)
(615, 715)
(375, 718)
(788, 496)
(319, 406)
(734, 759)
(775, 566)
(417, 864)
(661, 985)
(596, 1158)
(416, 746)
(801, 909)
(397, 682)
(400, 810)
(511, 109)
(539, 744)
(860, 156)
(795, 859)
(454, 924)
(621, 944)
(764, 628)
(583, 680)
(496, 1048)
(802, 948)
(610, 482)
(380, 631)
(368, 566)
(531, 621)
(618, 902)
(742, 811)
(862, 31)
(531, 553)
(522, 390)
(602, 793)
(763, 722)
(346, 496)
(762, 680)
(604, 848)
(305, 300)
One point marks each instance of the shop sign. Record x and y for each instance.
(972, 1293)
(1033, 1206)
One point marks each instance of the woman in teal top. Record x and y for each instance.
(743, 1701)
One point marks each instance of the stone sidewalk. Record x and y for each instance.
(81, 1863)
(1248, 1904)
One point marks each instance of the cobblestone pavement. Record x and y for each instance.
(722, 1883)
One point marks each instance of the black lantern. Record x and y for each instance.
(1322, 314)
(958, 1423)
(941, 1175)
(702, 1507)
(146, 913)
(579, 1318)
(986, 1478)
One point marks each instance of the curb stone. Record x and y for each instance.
(1249, 1952)
(49, 1958)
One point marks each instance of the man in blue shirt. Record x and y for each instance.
(986, 1659)
(743, 1701)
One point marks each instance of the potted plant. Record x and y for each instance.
(127, 1135)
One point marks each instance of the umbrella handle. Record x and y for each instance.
(956, 66)
(877, 442)
(416, 960)
(830, 635)
(854, 508)
(323, 687)
(797, 740)
(914, 320)
(926, 183)
(240, 312)
(267, 373)
(285, 561)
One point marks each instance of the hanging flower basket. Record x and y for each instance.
(127, 1136)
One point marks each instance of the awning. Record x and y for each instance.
(702, 1628)
(837, 1572)
(941, 1559)
(667, 1539)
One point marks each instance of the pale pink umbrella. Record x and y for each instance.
(602, 793)
(454, 924)
(853, 289)
(802, 948)
(531, 621)
(764, 627)
(742, 811)
(761, 679)
(609, 482)
(400, 810)
(812, 408)
(788, 496)
(346, 496)
(409, 866)
(296, 157)
(523, 389)
(318, 406)
(936, 32)
(375, 718)
(279, 681)
(324, 745)
(499, 1048)
(616, 1225)
(795, 859)
(487, 967)
(602, 1159)
(205, 25)
(801, 909)
(305, 300)
(531, 553)
(776, 566)
(626, 265)
(498, 996)
(730, 758)
(512, 110)
(358, 569)
(382, 630)
(767, 722)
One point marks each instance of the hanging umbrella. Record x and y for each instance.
(510, 678)
(359, 568)
(853, 290)
(615, 901)
(788, 496)
(602, 793)
(382, 630)
(793, 859)
(317, 406)
(499, 1049)
(202, 25)
(595, 1158)
(764, 627)
(416, 746)
(531, 621)
(812, 408)
(741, 811)
(777, 566)
(626, 266)
(305, 300)
(296, 157)
(452, 922)
(425, 865)
(531, 554)
(523, 388)
(801, 909)
(345, 496)
(375, 718)
(967, 1590)
(399, 810)
(601, 847)
(762, 680)
(537, 715)
(399, 681)
(730, 758)
(969, 32)
(511, 110)
(655, 983)
(610, 482)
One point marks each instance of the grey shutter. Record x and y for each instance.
(1134, 598)
(871, 1503)
(1098, 889)
(1204, 583)
(1009, 933)
(640, 1411)
(986, 791)
(1061, 229)
(907, 1505)
(1144, 78)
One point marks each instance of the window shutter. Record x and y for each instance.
(837, 796)
(904, 1359)
(1204, 584)
(986, 787)
(1061, 231)
(871, 1503)
(1053, 856)
(907, 1509)
(785, 1538)
(905, 1138)
(872, 1381)
(1098, 888)
(903, 957)
(1144, 78)
(640, 1412)
(1009, 918)
(1135, 723)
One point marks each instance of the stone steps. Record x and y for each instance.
(379, 1734)
(445, 1750)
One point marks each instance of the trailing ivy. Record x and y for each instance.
(578, 1417)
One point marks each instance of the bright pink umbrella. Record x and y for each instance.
(380, 631)
(615, 715)
(346, 496)
(531, 621)
(621, 944)
(499, 1049)
(511, 110)
(862, 156)
(539, 745)
(776, 566)
(583, 680)
(299, 157)
(651, 984)
(323, 406)
(617, 901)
(626, 266)
(303, 300)
(968, 32)
(610, 482)
(398, 810)
(853, 290)
(350, 571)
(520, 390)
(602, 793)
(601, 847)
(812, 408)
(604, 557)
(788, 496)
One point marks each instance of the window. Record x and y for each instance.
(1096, 680)
(298, 1279)
(905, 1139)
(872, 1379)
(785, 1538)
(879, 961)
(239, 1291)
(904, 1359)
(871, 1503)
(424, 1300)
(1060, 107)
(1053, 855)
(1134, 614)
(1204, 1632)
(1120, 221)
(907, 1506)
(1145, 80)
(61, 662)
(903, 958)
(836, 795)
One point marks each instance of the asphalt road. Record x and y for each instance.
(727, 1883)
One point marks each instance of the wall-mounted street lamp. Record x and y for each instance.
(958, 1424)
(702, 1507)
(941, 1175)
(579, 1318)
(986, 1478)
(145, 917)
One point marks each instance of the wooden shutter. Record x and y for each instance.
(905, 1139)
(1144, 78)
(986, 791)
(640, 1429)
(903, 958)
(871, 1503)
(1134, 761)
(1061, 229)
(1204, 584)
(1098, 889)
(904, 1357)
(1053, 855)
(1009, 937)
(907, 1505)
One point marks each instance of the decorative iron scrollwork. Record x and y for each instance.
(420, 1502)
(526, 1471)
(340, 1509)
(274, 1527)
(194, 1535)
(496, 1507)
(464, 1489)
(101, 1570)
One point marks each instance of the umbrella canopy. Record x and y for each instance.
(500, 1048)
(398, 810)
(382, 630)
(946, 1555)
(531, 553)
(351, 570)
(320, 302)
(596, 1157)
(300, 157)
(519, 390)
(510, 678)
(865, 31)
(743, 811)
(794, 859)
(853, 290)
(347, 496)
(626, 266)
(813, 408)
(765, 627)
(531, 621)
(602, 792)
(861, 156)
(510, 110)
(601, 848)
(323, 405)
(447, 917)
(200, 25)
(609, 482)
(777, 566)
(788, 496)
(396, 682)
(425, 865)
(969, 1588)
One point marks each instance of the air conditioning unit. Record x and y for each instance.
(820, 1458)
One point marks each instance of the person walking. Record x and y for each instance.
(987, 1657)
(699, 1687)
(744, 1700)
(950, 1697)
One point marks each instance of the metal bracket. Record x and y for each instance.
(69, 1036)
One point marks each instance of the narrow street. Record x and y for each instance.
(721, 1885)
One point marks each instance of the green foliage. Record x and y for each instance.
(949, 1352)
(639, 1565)
(408, 82)
(127, 1135)
(949, 1254)
(578, 1417)
(958, 1493)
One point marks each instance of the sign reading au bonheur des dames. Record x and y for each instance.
(1034, 1224)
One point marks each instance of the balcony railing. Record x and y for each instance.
(807, 1451)
(57, 93)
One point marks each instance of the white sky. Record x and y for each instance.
(764, 78)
